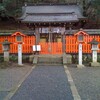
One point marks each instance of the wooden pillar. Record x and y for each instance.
(63, 40)
(63, 43)
(70, 27)
(50, 39)
(37, 35)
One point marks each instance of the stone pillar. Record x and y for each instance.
(20, 54)
(80, 65)
(80, 54)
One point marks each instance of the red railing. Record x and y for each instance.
(28, 41)
(50, 48)
(72, 45)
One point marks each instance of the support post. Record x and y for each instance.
(37, 34)
(50, 40)
(20, 54)
(63, 39)
(63, 43)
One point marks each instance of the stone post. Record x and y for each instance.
(20, 54)
(80, 65)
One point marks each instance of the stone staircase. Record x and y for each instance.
(48, 60)
(51, 59)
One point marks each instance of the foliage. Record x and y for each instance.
(13, 58)
(1, 59)
(87, 58)
(74, 59)
(94, 10)
(25, 59)
(9, 9)
(98, 58)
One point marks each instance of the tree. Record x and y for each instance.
(8, 8)
(94, 9)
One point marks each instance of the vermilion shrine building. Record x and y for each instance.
(53, 28)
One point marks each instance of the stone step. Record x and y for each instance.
(35, 60)
(50, 60)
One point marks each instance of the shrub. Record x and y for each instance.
(13, 58)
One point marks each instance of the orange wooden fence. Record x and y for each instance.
(28, 41)
(51, 48)
(72, 45)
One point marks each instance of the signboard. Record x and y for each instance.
(36, 48)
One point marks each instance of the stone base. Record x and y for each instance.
(31, 58)
(67, 59)
(80, 66)
(94, 64)
(20, 65)
(6, 56)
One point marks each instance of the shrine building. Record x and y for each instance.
(51, 23)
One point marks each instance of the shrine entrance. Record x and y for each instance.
(51, 43)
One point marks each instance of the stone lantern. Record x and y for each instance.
(94, 49)
(6, 48)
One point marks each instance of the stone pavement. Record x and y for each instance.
(87, 81)
(10, 78)
(49, 83)
(45, 83)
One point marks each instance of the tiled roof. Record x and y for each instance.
(50, 18)
(51, 13)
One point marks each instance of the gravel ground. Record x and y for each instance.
(45, 83)
(3, 94)
(10, 77)
(87, 81)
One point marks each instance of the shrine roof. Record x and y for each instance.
(51, 13)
